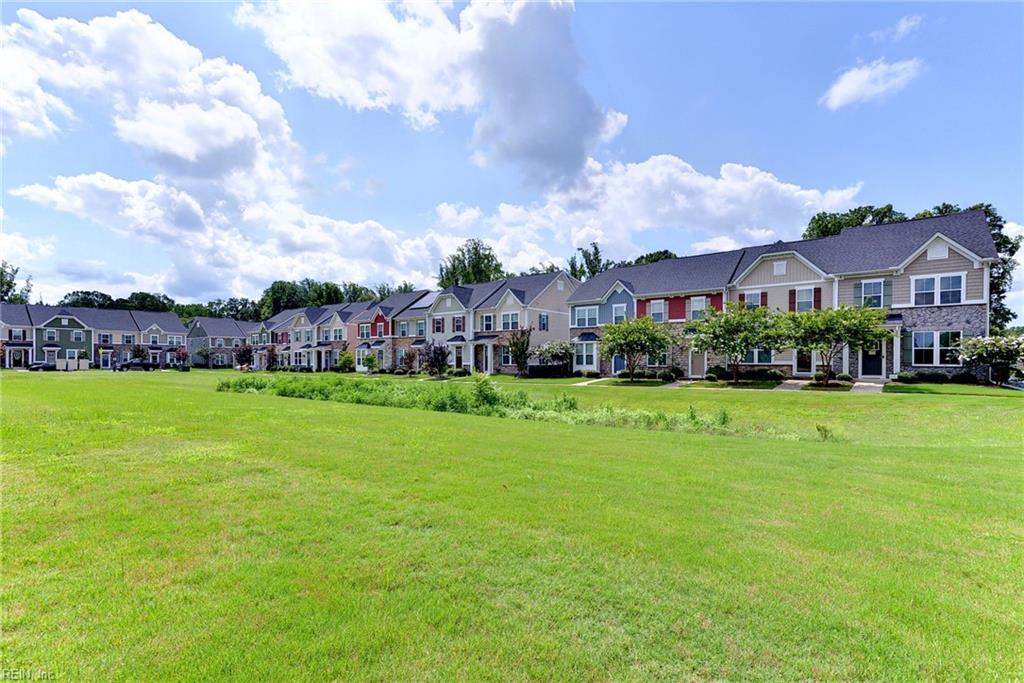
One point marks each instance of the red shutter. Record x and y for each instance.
(743, 298)
(641, 308)
(764, 299)
(817, 297)
(676, 308)
(716, 302)
(792, 299)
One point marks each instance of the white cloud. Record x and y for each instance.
(513, 64)
(18, 248)
(900, 30)
(871, 81)
(1012, 229)
(457, 216)
(720, 243)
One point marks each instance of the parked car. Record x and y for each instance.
(41, 367)
(135, 364)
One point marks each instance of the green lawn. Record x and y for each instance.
(957, 389)
(156, 529)
(742, 384)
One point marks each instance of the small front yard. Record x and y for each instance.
(742, 384)
(951, 389)
(833, 386)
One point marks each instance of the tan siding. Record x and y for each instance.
(778, 296)
(553, 300)
(956, 263)
(846, 287)
(762, 274)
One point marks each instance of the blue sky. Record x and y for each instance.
(208, 149)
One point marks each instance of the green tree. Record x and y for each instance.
(557, 352)
(435, 358)
(650, 257)
(589, 263)
(346, 362)
(87, 299)
(9, 290)
(146, 301)
(828, 224)
(243, 355)
(370, 362)
(189, 311)
(542, 268)
(830, 330)
(138, 353)
(735, 331)
(471, 263)
(999, 354)
(518, 343)
(351, 292)
(1001, 272)
(321, 293)
(280, 296)
(633, 340)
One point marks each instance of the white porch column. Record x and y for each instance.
(897, 351)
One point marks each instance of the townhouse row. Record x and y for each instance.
(58, 335)
(930, 276)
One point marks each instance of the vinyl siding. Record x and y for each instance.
(955, 263)
(846, 287)
(604, 312)
(778, 296)
(762, 274)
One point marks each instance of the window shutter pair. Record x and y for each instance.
(792, 299)
(906, 348)
(817, 297)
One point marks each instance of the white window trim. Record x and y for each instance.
(543, 322)
(586, 316)
(756, 292)
(704, 300)
(403, 328)
(664, 310)
(487, 322)
(510, 316)
(70, 354)
(615, 311)
(938, 292)
(936, 349)
(881, 294)
(48, 333)
(759, 362)
(778, 268)
(796, 299)
(584, 365)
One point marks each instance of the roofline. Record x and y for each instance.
(964, 251)
(787, 252)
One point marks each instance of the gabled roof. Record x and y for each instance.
(392, 305)
(420, 307)
(882, 247)
(168, 322)
(686, 274)
(96, 318)
(312, 314)
(525, 288)
(15, 315)
(220, 327)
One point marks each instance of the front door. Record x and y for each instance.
(618, 364)
(51, 356)
(458, 356)
(804, 362)
(698, 363)
(105, 359)
(871, 360)
(154, 357)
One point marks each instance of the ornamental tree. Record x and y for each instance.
(556, 352)
(138, 353)
(181, 355)
(830, 330)
(243, 355)
(1000, 354)
(634, 340)
(518, 343)
(735, 331)
(370, 362)
(435, 358)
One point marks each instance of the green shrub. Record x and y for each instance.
(677, 372)
(774, 374)
(719, 371)
(711, 377)
(564, 403)
(824, 432)
(844, 377)
(623, 374)
(932, 376)
(964, 378)
(460, 372)
(592, 374)
(820, 377)
(651, 374)
(906, 377)
(346, 362)
(484, 392)
(577, 373)
(400, 371)
(666, 376)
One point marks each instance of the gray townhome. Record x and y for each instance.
(930, 276)
(216, 338)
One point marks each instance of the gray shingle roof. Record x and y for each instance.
(15, 314)
(881, 247)
(168, 322)
(392, 305)
(420, 307)
(525, 287)
(220, 327)
(96, 318)
(703, 272)
(855, 250)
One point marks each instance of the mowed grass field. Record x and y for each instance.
(156, 529)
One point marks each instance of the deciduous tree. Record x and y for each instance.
(830, 330)
(735, 331)
(518, 343)
(633, 340)
(999, 354)
(471, 263)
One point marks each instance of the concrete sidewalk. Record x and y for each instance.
(867, 388)
(791, 385)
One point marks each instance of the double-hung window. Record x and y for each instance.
(154, 339)
(19, 335)
(804, 299)
(871, 293)
(51, 335)
(380, 329)
(438, 325)
(77, 336)
(586, 316)
(364, 330)
(937, 348)
(657, 359)
(487, 323)
(657, 311)
(510, 321)
(585, 354)
(70, 354)
(220, 342)
(752, 300)
(421, 328)
(698, 305)
(339, 334)
(506, 355)
(128, 338)
(105, 338)
(618, 313)
(458, 324)
(758, 357)
(951, 289)
(403, 328)
(542, 322)
(924, 291)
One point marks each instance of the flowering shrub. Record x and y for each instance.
(998, 353)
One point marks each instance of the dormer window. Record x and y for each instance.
(778, 268)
